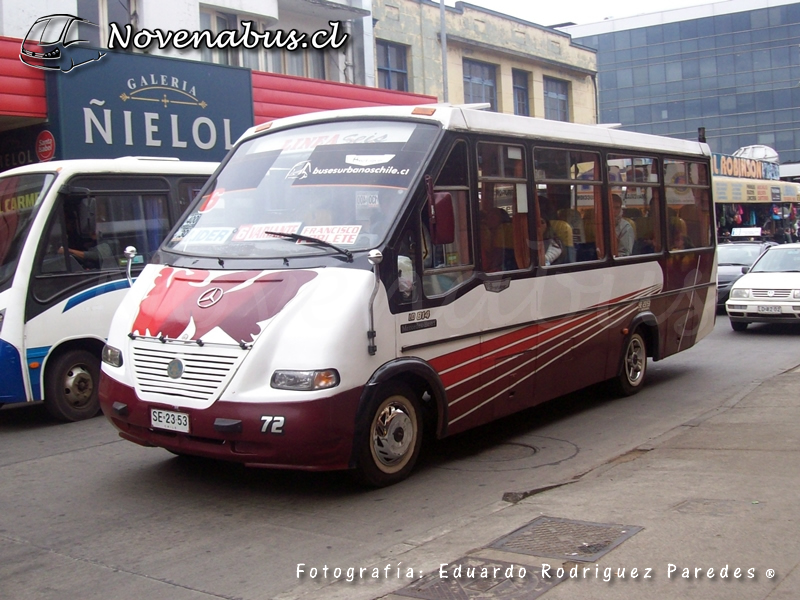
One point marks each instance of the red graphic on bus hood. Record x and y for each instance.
(234, 302)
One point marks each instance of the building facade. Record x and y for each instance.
(190, 102)
(731, 67)
(516, 66)
(352, 63)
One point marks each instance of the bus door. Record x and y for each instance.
(690, 229)
(442, 309)
(508, 343)
(572, 293)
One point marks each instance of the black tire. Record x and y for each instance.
(739, 325)
(71, 385)
(633, 366)
(389, 448)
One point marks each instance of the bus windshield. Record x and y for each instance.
(20, 197)
(342, 183)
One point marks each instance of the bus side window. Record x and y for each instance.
(135, 220)
(634, 204)
(568, 193)
(54, 259)
(187, 191)
(446, 266)
(503, 216)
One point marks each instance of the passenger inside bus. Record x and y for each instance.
(551, 244)
(82, 236)
(623, 228)
(497, 240)
(678, 240)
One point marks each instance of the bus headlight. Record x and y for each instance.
(112, 356)
(305, 380)
(740, 293)
(795, 295)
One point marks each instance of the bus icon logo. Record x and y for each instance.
(52, 44)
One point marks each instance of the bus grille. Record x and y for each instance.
(771, 293)
(205, 371)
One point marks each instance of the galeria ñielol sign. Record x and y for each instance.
(134, 104)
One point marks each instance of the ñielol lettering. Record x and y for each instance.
(204, 130)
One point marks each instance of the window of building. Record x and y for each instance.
(101, 13)
(520, 82)
(303, 63)
(392, 66)
(480, 83)
(218, 22)
(556, 99)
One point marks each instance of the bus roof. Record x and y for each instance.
(471, 119)
(124, 165)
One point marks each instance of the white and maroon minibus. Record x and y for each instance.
(352, 280)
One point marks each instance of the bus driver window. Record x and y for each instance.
(444, 265)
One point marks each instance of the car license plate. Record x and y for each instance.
(769, 309)
(167, 419)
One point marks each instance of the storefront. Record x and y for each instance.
(752, 201)
(131, 104)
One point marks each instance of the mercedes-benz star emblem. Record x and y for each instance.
(175, 368)
(770, 293)
(210, 297)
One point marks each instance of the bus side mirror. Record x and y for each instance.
(443, 229)
(745, 270)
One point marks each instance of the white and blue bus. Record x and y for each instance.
(64, 226)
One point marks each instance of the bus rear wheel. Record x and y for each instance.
(71, 385)
(633, 369)
(391, 445)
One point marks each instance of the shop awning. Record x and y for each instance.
(22, 89)
(735, 190)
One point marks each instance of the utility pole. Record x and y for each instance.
(443, 35)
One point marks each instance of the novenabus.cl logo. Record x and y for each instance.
(53, 44)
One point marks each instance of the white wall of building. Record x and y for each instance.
(17, 16)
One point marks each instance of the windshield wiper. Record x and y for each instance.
(312, 240)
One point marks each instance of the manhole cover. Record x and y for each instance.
(472, 578)
(532, 453)
(562, 538)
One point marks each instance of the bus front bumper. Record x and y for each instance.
(314, 435)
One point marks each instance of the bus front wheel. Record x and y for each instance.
(71, 383)
(392, 442)
(633, 369)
